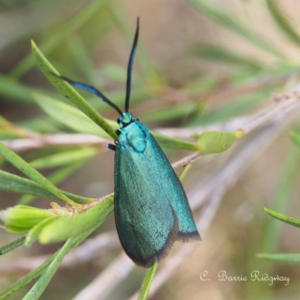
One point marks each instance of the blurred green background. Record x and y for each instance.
(198, 63)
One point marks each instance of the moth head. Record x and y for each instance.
(125, 119)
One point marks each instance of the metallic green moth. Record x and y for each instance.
(151, 208)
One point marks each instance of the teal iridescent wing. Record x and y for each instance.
(187, 230)
(151, 209)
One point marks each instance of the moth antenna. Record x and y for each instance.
(90, 89)
(130, 64)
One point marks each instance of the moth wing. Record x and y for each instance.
(145, 220)
(187, 230)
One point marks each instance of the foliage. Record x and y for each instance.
(64, 42)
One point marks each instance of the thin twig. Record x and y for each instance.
(38, 141)
(186, 160)
(90, 205)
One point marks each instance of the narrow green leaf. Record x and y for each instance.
(284, 218)
(148, 278)
(13, 183)
(283, 193)
(282, 22)
(33, 174)
(285, 258)
(39, 287)
(219, 54)
(282, 196)
(13, 245)
(64, 158)
(70, 116)
(62, 229)
(69, 92)
(57, 177)
(245, 32)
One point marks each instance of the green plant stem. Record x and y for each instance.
(69, 92)
(13, 245)
(147, 282)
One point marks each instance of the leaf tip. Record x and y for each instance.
(33, 45)
(27, 242)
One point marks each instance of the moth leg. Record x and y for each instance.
(118, 131)
(111, 147)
